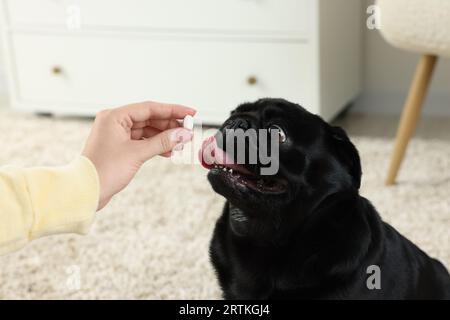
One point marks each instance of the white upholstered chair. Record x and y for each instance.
(421, 26)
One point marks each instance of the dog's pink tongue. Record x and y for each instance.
(210, 154)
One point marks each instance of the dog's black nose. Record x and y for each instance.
(239, 124)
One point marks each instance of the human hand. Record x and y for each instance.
(122, 139)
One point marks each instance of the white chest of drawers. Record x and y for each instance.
(211, 54)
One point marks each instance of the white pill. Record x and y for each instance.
(188, 122)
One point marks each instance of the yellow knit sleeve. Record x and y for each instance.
(37, 202)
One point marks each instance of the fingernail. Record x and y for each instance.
(181, 135)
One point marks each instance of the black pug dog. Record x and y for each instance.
(306, 233)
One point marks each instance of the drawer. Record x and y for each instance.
(90, 72)
(251, 16)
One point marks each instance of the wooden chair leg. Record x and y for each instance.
(411, 113)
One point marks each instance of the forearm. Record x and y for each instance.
(37, 202)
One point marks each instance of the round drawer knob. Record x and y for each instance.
(252, 80)
(57, 70)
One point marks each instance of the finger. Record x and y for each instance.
(155, 127)
(163, 142)
(166, 155)
(144, 111)
(141, 124)
(147, 132)
(158, 124)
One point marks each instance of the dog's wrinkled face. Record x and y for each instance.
(314, 161)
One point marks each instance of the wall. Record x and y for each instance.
(388, 72)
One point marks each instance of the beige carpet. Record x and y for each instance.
(152, 241)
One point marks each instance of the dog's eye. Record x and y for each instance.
(281, 134)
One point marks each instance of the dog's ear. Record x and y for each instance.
(347, 153)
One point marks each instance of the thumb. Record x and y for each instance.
(164, 142)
